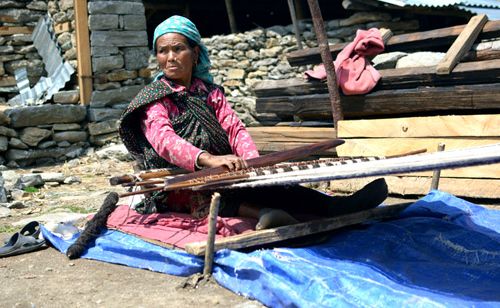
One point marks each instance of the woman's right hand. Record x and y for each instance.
(231, 162)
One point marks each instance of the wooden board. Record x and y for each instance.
(462, 44)
(5, 30)
(386, 102)
(83, 51)
(486, 125)
(403, 42)
(266, 147)
(291, 134)
(267, 236)
(464, 73)
(390, 146)
(419, 186)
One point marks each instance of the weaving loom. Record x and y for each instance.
(279, 173)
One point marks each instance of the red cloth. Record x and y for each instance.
(355, 75)
(172, 228)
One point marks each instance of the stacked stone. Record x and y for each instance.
(240, 60)
(18, 18)
(119, 47)
(42, 134)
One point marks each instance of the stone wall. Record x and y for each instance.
(120, 53)
(38, 134)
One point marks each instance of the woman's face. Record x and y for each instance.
(176, 58)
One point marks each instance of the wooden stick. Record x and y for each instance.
(130, 178)
(293, 231)
(212, 222)
(462, 44)
(437, 172)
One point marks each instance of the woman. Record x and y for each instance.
(182, 119)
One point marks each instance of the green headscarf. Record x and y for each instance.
(184, 26)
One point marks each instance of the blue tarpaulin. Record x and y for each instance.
(442, 251)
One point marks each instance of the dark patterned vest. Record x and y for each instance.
(196, 123)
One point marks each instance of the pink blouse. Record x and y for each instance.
(157, 128)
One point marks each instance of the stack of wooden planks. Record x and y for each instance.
(468, 87)
(410, 109)
(384, 137)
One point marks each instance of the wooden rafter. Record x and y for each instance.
(83, 51)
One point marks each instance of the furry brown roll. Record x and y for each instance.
(93, 227)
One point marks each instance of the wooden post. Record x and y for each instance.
(296, 28)
(212, 223)
(83, 51)
(437, 173)
(230, 15)
(462, 44)
(326, 57)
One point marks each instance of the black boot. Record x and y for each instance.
(368, 197)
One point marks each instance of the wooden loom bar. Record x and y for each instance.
(262, 237)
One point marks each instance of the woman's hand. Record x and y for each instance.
(232, 162)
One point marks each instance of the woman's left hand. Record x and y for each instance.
(232, 162)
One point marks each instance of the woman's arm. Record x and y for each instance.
(158, 130)
(239, 138)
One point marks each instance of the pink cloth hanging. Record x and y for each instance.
(355, 75)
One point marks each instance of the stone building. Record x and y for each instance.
(118, 63)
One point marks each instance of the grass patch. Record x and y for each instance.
(31, 189)
(77, 209)
(8, 229)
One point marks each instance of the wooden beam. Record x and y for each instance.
(391, 146)
(408, 185)
(403, 42)
(462, 44)
(230, 15)
(6, 30)
(267, 236)
(268, 147)
(386, 102)
(478, 125)
(83, 51)
(464, 73)
(291, 134)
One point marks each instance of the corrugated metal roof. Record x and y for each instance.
(489, 7)
(444, 3)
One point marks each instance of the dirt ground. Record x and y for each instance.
(46, 278)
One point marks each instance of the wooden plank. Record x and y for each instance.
(6, 30)
(478, 125)
(386, 102)
(83, 51)
(267, 236)
(403, 42)
(390, 146)
(291, 134)
(418, 186)
(464, 73)
(462, 44)
(266, 147)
